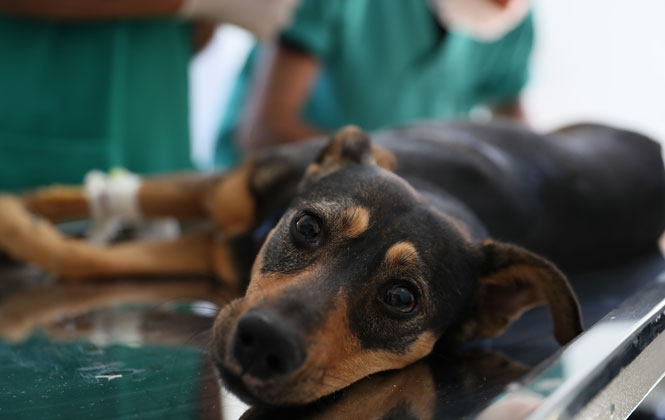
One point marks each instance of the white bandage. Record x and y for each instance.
(114, 195)
(113, 201)
(483, 20)
(264, 18)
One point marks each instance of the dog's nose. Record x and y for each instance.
(265, 347)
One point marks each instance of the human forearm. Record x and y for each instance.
(262, 17)
(281, 87)
(510, 109)
(89, 9)
(279, 130)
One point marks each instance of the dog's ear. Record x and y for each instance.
(350, 145)
(513, 280)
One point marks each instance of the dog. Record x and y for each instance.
(351, 256)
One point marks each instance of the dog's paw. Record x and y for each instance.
(14, 218)
(22, 234)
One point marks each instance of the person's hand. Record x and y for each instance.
(264, 18)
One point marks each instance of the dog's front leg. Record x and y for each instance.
(178, 195)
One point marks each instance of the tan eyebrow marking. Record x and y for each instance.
(402, 253)
(355, 221)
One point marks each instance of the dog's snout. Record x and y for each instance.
(265, 347)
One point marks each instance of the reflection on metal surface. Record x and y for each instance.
(136, 350)
(607, 371)
(105, 351)
(115, 350)
(442, 386)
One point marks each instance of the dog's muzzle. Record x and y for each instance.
(265, 347)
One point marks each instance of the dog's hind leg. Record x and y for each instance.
(33, 239)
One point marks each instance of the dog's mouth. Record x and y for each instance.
(247, 387)
(234, 382)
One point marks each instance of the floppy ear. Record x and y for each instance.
(513, 280)
(348, 146)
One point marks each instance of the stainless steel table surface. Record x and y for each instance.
(62, 356)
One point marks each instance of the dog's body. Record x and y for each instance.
(379, 252)
(572, 187)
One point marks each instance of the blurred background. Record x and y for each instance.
(593, 60)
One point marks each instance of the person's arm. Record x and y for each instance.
(202, 33)
(89, 9)
(79, 10)
(511, 109)
(280, 90)
(264, 18)
(507, 72)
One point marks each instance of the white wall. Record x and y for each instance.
(599, 60)
(212, 73)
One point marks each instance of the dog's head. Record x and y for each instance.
(362, 275)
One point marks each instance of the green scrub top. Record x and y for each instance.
(82, 96)
(387, 63)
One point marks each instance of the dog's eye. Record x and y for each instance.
(308, 226)
(400, 298)
(306, 229)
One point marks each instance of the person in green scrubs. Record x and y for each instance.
(372, 63)
(80, 95)
(96, 85)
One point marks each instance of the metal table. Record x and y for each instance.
(108, 351)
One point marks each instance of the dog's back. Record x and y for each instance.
(582, 196)
(585, 196)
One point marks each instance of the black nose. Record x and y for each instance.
(265, 347)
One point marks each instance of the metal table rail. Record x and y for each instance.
(607, 371)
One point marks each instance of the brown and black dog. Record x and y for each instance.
(353, 258)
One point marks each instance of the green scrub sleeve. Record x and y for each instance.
(509, 71)
(313, 27)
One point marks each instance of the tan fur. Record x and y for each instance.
(384, 158)
(518, 281)
(38, 241)
(402, 254)
(58, 203)
(180, 196)
(336, 358)
(175, 195)
(332, 158)
(273, 285)
(231, 203)
(355, 220)
(492, 323)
